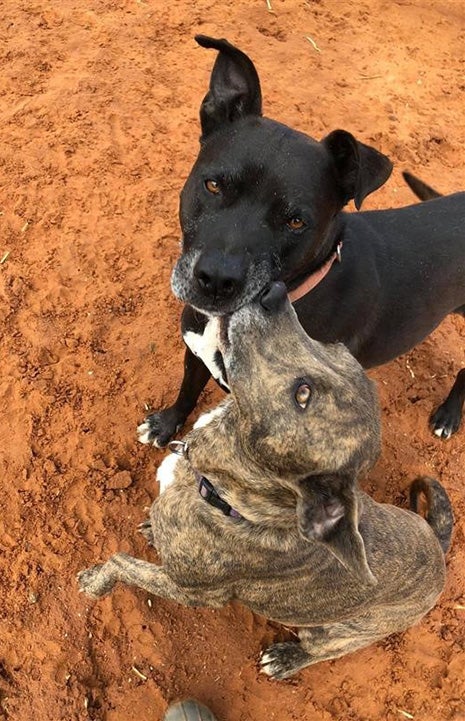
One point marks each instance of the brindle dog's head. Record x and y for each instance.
(305, 407)
(262, 200)
(302, 424)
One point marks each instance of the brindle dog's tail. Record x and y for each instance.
(421, 190)
(438, 508)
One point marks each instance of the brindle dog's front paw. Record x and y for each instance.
(159, 428)
(146, 529)
(282, 660)
(94, 581)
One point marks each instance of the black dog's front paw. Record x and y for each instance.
(282, 660)
(159, 428)
(446, 420)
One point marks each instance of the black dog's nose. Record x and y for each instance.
(219, 278)
(274, 297)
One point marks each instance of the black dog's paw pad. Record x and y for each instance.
(283, 660)
(159, 428)
(446, 421)
(92, 582)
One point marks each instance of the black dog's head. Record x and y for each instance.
(262, 200)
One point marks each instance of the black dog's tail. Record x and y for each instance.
(421, 190)
(438, 508)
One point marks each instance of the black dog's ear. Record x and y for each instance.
(327, 513)
(234, 87)
(360, 169)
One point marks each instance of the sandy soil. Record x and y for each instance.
(98, 119)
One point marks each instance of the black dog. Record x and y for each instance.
(264, 201)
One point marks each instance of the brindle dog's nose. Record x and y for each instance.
(219, 279)
(274, 297)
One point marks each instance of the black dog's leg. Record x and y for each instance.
(446, 420)
(159, 428)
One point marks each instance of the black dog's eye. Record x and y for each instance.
(296, 224)
(212, 186)
(303, 395)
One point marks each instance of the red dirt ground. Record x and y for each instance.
(99, 128)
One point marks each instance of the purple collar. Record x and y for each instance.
(206, 489)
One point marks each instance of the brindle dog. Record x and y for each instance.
(286, 529)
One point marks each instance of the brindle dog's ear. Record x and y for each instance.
(360, 169)
(234, 87)
(327, 512)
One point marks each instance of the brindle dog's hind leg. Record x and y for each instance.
(323, 643)
(99, 580)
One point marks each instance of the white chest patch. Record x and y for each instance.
(165, 473)
(205, 346)
(206, 418)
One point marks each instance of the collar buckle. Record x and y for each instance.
(206, 489)
(209, 494)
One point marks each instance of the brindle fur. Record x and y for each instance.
(345, 582)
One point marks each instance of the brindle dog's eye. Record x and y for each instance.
(296, 224)
(212, 186)
(303, 395)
